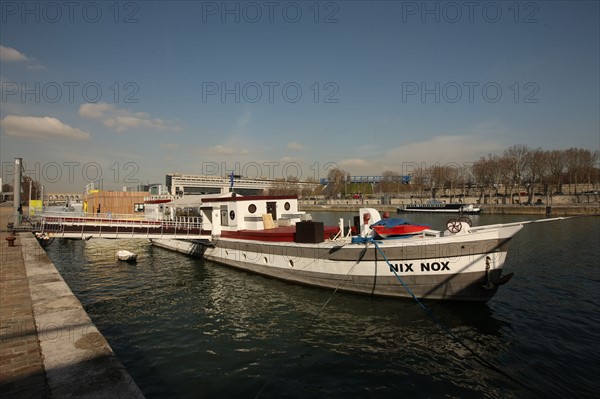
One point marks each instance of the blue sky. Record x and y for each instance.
(131, 91)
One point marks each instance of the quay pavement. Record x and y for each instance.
(49, 347)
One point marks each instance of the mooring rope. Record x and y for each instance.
(443, 326)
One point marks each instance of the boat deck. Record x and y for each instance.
(277, 234)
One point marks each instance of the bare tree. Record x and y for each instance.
(557, 162)
(391, 181)
(306, 190)
(465, 177)
(419, 178)
(537, 170)
(483, 171)
(442, 178)
(588, 160)
(573, 162)
(516, 157)
(337, 178)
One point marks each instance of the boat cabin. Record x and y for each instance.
(236, 212)
(230, 215)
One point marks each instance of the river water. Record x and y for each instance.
(189, 328)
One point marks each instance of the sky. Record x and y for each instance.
(126, 92)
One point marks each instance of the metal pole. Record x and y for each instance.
(17, 192)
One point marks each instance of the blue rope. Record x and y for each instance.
(444, 327)
(419, 302)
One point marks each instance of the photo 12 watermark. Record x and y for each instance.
(74, 171)
(268, 170)
(60, 12)
(269, 92)
(250, 12)
(469, 92)
(452, 12)
(70, 92)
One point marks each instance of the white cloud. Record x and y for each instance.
(221, 150)
(456, 150)
(9, 54)
(95, 110)
(442, 149)
(354, 163)
(121, 120)
(169, 146)
(45, 128)
(295, 146)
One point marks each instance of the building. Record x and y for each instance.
(181, 184)
(114, 202)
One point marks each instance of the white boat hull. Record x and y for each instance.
(464, 267)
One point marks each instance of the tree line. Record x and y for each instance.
(538, 171)
(518, 169)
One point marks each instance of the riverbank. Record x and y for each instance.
(543, 210)
(49, 346)
(557, 210)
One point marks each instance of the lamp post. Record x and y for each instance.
(17, 192)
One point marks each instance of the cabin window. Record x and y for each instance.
(286, 206)
(252, 208)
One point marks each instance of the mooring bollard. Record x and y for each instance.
(11, 240)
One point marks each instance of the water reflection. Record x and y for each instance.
(220, 324)
(188, 328)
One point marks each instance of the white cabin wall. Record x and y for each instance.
(216, 221)
(207, 218)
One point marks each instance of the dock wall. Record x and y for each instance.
(77, 360)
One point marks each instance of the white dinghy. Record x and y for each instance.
(126, 256)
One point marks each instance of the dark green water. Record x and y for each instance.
(188, 328)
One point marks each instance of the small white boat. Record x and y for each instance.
(126, 255)
(441, 207)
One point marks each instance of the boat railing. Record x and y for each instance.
(186, 222)
(53, 221)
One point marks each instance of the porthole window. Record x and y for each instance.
(232, 215)
(252, 208)
(287, 206)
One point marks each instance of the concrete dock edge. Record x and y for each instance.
(77, 359)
